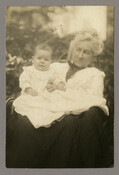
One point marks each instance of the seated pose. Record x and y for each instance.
(43, 107)
(63, 125)
(35, 80)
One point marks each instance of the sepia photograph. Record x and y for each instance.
(59, 87)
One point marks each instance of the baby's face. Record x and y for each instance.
(42, 60)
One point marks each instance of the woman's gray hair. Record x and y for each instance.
(87, 35)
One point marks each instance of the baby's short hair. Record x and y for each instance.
(43, 46)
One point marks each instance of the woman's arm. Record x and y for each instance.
(97, 85)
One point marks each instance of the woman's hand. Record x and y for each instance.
(51, 87)
(61, 86)
(31, 91)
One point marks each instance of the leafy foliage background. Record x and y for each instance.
(23, 33)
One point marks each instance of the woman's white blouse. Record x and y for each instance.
(83, 90)
(90, 79)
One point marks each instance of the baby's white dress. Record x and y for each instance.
(36, 79)
(83, 90)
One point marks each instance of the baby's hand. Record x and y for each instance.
(31, 91)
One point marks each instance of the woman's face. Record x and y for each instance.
(82, 54)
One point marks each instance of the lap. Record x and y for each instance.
(59, 145)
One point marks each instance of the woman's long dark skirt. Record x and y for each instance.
(77, 141)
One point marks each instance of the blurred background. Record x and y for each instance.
(28, 26)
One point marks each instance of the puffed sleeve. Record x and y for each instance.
(59, 72)
(97, 85)
(25, 79)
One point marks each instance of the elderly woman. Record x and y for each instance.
(78, 138)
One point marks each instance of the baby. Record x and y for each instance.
(40, 76)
